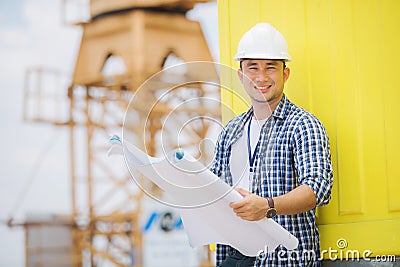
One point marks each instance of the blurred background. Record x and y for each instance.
(68, 71)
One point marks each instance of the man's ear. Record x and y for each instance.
(286, 73)
(240, 75)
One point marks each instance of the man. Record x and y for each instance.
(276, 155)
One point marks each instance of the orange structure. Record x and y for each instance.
(140, 35)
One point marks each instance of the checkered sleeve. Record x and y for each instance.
(312, 157)
(216, 168)
(216, 164)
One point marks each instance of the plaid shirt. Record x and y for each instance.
(294, 150)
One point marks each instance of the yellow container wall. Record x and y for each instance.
(345, 71)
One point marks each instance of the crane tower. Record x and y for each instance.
(141, 37)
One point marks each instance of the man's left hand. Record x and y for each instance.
(251, 207)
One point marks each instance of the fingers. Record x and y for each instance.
(242, 191)
(250, 208)
(246, 216)
(240, 203)
(239, 206)
(242, 208)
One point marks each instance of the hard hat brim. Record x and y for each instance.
(241, 57)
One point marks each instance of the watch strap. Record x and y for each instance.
(270, 203)
(271, 212)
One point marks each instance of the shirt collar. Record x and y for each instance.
(282, 108)
(279, 112)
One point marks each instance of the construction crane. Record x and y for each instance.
(142, 36)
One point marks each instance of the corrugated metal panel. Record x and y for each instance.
(344, 70)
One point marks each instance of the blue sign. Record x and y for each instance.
(166, 221)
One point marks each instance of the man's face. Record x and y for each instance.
(264, 80)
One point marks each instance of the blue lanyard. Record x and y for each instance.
(251, 157)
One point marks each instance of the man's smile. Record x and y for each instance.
(263, 88)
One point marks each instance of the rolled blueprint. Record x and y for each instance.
(203, 201)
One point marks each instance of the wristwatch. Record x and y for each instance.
(271, 212)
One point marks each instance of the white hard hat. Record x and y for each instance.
(262, 41)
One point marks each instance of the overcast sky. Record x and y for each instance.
(34, 176)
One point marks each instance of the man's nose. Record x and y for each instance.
(262, 76)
